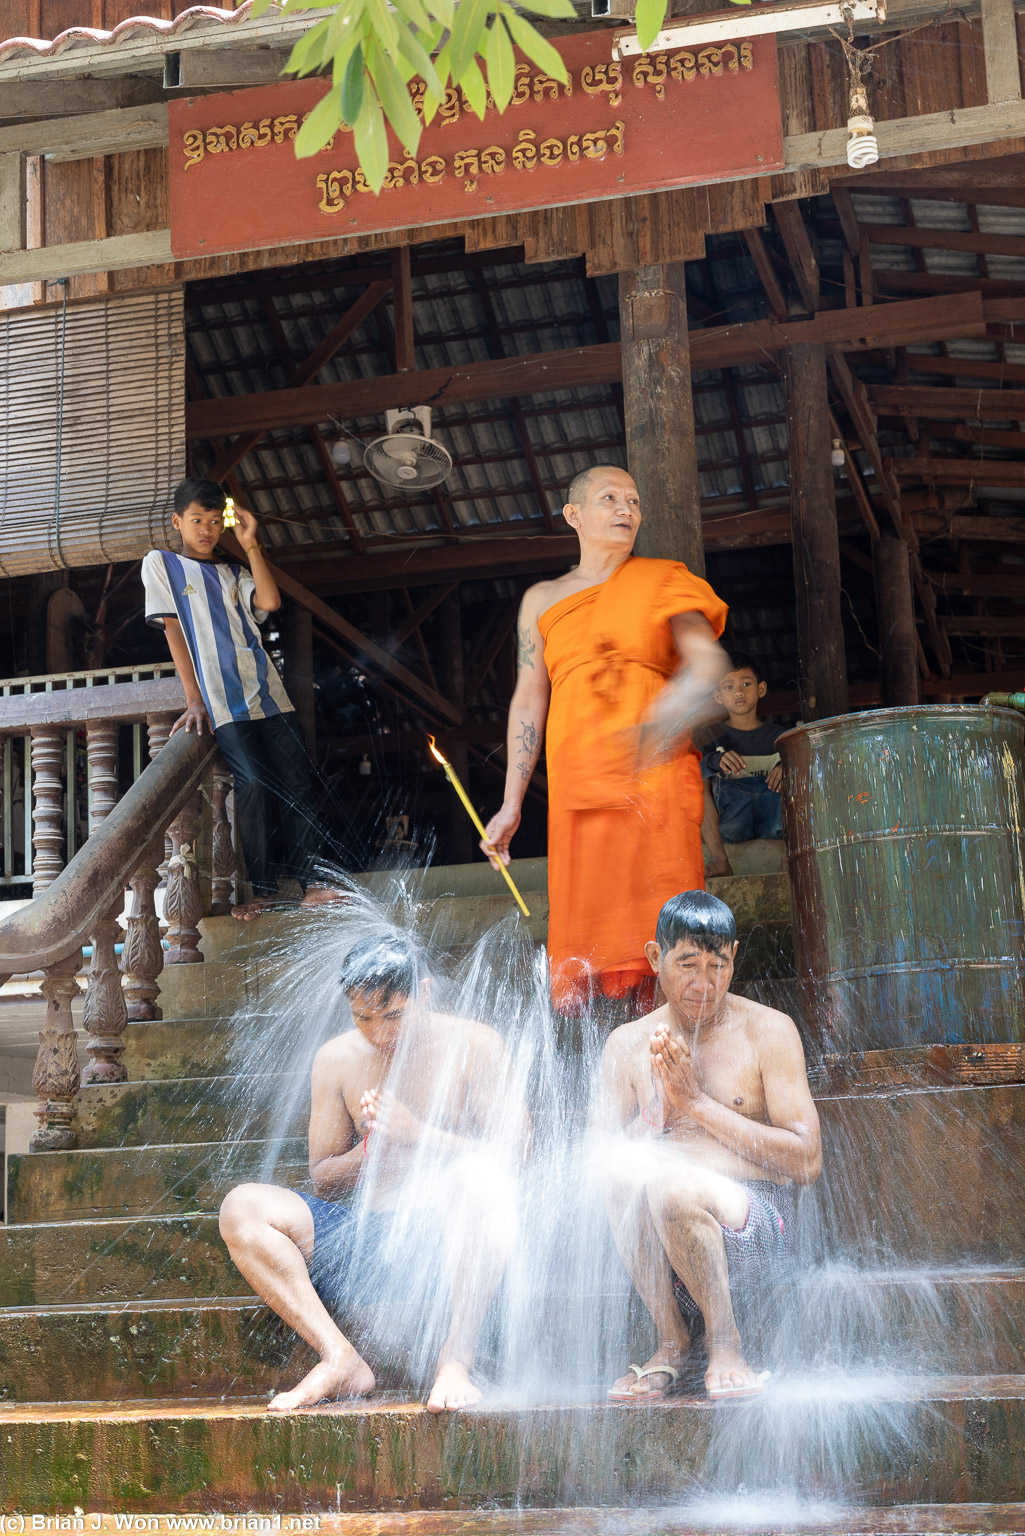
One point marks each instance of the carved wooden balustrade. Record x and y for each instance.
(154, 827)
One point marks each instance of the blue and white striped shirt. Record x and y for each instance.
(213, 602)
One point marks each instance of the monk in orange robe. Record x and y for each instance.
(600, 653)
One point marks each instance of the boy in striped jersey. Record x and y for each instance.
(210, 610)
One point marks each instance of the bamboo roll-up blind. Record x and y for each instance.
(122, 439)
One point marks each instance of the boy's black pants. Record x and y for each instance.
(274, 805)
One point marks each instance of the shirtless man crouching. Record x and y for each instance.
(712, 1120)
(407, 1092)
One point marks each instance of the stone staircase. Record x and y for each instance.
(135, 1367)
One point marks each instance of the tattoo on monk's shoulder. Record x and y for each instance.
(525, 647)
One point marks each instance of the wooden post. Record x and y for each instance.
(821, 661)
(659, 409)
(106, 1012)
(461, 833)
(297, 635)
(895, 606)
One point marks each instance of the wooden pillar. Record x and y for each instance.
(659, 410)
(895, 606)
(822, 665)
(462, 836)
(297, 637)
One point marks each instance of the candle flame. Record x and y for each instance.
(435, 753)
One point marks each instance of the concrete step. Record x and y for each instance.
(151, 1181)
(175, 1110)
(211, 1347)
(921, 1178)
(115, 1259)
(861, 1442)
(961, 1320)
(199, 1047)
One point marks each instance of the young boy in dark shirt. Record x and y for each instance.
(210, 610)
(741, 768)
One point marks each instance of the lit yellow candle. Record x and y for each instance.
(453, 779)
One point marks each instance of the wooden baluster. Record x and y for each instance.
(158, 729)
(47, 806)
(222, 884)
(55, 1078)
(106, 1012)
(142, 958)
(181, 899)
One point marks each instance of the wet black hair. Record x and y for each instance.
(381, 966)
(209, 495)
(695, 915)
(740, 661)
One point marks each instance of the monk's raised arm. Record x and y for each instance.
(528, 711)
(688, 699)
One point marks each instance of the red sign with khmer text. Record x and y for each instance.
(613, 130)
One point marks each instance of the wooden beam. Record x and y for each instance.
(990, 437)
(1000, 49)
(800, 253)
(920, 238)
(116, 253)
(402, 299)
(759, 254)
(952, 129)
(856, 483)
(500, 633)
(822, 664)
(970, 404)
(981, 586)
(226, 69)
(895, 607)
(979, 529)
(424, 565)
(25, 98)
(578, 367)
(967, 368)
(854, 396)
(660, 444)
(13, 201)
(959, 471)
(84, 138)
(308, 369)
(994, 628)
(421, 612)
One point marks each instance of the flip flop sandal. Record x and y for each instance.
(647, 1397)
(756, 1388)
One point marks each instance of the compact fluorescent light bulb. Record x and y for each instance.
(229, 513)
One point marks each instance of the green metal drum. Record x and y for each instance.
(904, 835)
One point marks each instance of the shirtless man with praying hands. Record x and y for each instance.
(710, 1124)
(417, 1128)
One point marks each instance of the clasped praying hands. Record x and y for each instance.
(672, 1068)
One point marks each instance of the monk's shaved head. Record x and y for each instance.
(580, 485)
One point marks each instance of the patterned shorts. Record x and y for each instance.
(758, 1254)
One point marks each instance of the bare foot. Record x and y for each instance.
(348, 1377)
(728, 1372)
(716, 867)
(247, 910)
(659, 1384)
(452, 1389)
(324, 896)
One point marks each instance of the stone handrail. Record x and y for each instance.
(149, 834)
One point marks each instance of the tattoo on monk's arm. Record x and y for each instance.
(525, 647)
(528, 748)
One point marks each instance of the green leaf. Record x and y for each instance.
(472, 82)
(420, 60)
(309, 52)
(501, 62)
(371, 139)
(414, 13)
(433, 99)
(386, 28)
(467, 33)
(394, 98)
(259, 6)
(353, 87)
(320, 124)
(556, 10)
(536, 47)
(648, 19)
(443, 11)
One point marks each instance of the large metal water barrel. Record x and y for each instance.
(904, 835)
